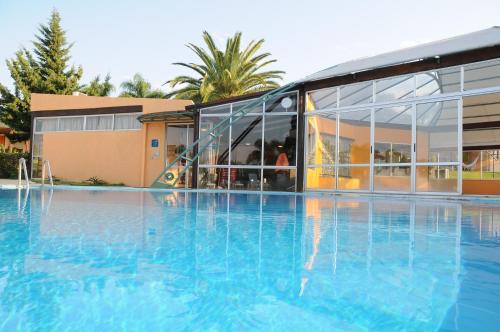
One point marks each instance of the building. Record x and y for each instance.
(85, 137)
(6, 145)
(420, 120)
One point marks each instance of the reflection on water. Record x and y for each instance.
(86, 260)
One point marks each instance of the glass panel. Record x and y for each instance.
(221, 109)
(279, 180)
(217, 153)
(177, 141)
(321, 136)
(393, 135)
(246, 104)
(127, 121)
(437, 132)
(280, 139)
(482, 75)
(354, 178)
(436, 179)
(71, 124)
(212, 178)
(36, 167)
(321, 99)
(481, 165)
(392, 178)
(440, 81)
(356, 94)
(37, 148)
(394, 88)
(245, 179)
(283, 103)
(246, 141)
(43, 125)
(321, 178)
(101, 122)
(354, 147)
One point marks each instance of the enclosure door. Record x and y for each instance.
(392, 149)
(179, 136)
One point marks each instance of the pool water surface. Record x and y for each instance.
(98, 260)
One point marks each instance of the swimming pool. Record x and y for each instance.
(99, 260)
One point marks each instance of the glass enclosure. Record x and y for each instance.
(398, 134)
(256, 152)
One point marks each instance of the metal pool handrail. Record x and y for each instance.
(46, 163)
(22, 168)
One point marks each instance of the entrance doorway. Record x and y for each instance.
(179, 136)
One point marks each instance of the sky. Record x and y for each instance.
(147, 36)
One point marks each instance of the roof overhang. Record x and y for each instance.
(175, 116)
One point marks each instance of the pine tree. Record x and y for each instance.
(45, 70)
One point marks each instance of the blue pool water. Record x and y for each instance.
(83, 260)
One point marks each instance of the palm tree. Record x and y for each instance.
(228, 73)
(98, 88)
(138, 87)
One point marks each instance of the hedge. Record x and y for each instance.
(9, 162)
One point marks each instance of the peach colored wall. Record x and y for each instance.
(155, 157)
(115, 157)
(46, 102)
(481, 187)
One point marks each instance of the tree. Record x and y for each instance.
(138, 87)
(98, 88)
(43, 70)
(225, 73)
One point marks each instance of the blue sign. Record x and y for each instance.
(154, 143)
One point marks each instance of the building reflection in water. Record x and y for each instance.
(206, 251)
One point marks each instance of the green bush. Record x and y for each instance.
(9, 162)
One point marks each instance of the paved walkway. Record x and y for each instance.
(9, 183)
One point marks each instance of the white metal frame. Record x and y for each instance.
(84, 123)
(412, 100)
(264, 115)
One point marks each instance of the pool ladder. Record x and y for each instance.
(22, 169)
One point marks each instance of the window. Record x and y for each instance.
(71, 123)
(445, 80)
(482, 75)
(394, 88)
(46, 124)
(99, 122)
(322, 99)
(481, 165)
(127, 121)
(356, 94)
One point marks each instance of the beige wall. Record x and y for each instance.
(114, 156)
